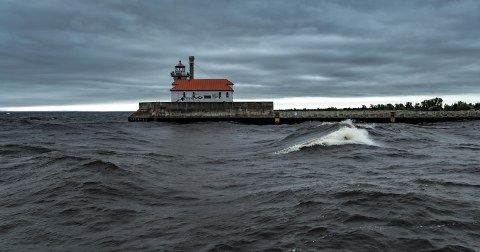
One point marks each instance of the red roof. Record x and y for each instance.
(180, 64)
(202, 85)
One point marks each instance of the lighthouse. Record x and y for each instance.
(185, 88)
(179, 72)
(195, 99)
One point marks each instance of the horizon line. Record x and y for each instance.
(279, 103)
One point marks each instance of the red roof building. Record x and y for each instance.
(202, 85)
(185, 88)
(202, 90)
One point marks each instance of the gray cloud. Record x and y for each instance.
(79, 52)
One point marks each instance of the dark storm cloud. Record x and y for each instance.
(80, 52)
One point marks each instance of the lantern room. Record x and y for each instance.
(179, 73)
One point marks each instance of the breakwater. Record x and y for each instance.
(264, 113)
(245, 112)
(380, 116)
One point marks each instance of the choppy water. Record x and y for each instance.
(94, 182)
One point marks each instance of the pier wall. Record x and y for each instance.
(263, 113)
(296, 116)
(204, 111)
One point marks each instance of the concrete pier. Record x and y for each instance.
(263, 113)
(245, 112)
(379, 116)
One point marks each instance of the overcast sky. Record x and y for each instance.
(56, 52)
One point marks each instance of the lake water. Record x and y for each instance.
(94, 182)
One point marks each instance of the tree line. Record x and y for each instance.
(435, 104)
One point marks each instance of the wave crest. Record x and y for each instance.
(346, 134)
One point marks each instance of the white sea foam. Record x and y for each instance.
(349, 122)
(347, 134)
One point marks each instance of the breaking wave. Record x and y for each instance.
(348, 133)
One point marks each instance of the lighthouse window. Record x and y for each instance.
(183, 94)
(219, 94)
(226, 94)
(193, 94)
(207, 97)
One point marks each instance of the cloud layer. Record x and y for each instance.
(56, 52)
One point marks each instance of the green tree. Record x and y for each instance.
(458, 106)
(432, 104)
(409, 106)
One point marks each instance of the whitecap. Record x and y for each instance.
(346, 134)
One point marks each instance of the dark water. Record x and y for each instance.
(94, 182)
